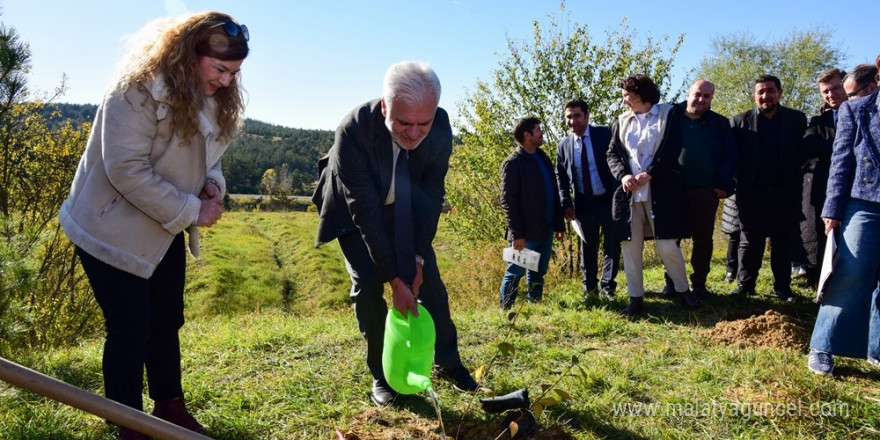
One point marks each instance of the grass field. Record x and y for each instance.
(271, 351)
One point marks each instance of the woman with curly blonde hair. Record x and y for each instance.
(150, 170)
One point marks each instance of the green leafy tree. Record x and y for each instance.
(44, 299)
(797, 59)
(536, 78)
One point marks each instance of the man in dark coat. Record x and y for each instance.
(817, 146)
(708, 162)
(585, 188)
(531, 205)
(768, 182)
(385, 218)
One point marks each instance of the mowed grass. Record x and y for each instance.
(271, 350)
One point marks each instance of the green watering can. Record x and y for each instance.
(408, 353)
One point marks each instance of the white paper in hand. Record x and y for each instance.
(576, 225)
(827, 265)
(526, 258)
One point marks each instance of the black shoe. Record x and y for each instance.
(701, 291)
(460, 377)
(635, 306)
(668, 291)
(730, 277)
(741, 292)
(784, 295)
(689, 300)
(606, 293)
(382, 394)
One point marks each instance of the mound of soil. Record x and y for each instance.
(772, 329)
(378, 424)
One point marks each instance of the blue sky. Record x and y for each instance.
(313, 61)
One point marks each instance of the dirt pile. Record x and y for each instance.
(772, 329)
(378, 424)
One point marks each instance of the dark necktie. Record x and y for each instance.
(403, 224)
(585, 170)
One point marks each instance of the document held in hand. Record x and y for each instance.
(828, 261)
(526, 258)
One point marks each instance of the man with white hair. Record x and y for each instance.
(380, 195)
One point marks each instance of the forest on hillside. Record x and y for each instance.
(258, 147)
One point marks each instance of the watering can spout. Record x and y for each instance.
(418, 380)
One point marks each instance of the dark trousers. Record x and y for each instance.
(594, 213)
(767, 214)
(702, 206)
(733, 253)
(142, 319)
(370, 308)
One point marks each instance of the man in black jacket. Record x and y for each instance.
(585, 189)
(816, 150)
(531, 207)
(708, 162)
(768, 185)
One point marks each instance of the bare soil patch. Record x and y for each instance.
(378, 424)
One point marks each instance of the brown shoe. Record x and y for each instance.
(174, 411)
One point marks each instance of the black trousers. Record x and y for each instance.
(702, 206)
(370, 308)
(142, 318)
(595, 214)
(762, 215)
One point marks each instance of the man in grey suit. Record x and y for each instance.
(385, 218)
(585, 188)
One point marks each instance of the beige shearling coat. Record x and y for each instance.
(137, 183)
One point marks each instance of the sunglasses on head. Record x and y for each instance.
(233, 30)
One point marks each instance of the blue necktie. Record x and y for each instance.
(403, 223)
(585, 169)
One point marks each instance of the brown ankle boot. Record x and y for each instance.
(174, 411)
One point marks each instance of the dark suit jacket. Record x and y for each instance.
(723, 147)
(816, 163)
(524, 197)
(600, 137)
(355, 179)
(745, 131)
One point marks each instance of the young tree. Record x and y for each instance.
(536, 78)
(278, 184)
(737, 59)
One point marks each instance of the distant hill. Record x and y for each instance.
(258, 147)
(77, 114)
